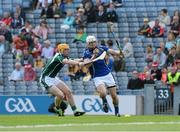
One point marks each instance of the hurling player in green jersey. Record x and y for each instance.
(54, 85)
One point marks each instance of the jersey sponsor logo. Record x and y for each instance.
(94, 104)
(19, 105)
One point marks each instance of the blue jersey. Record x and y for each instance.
(99, 68)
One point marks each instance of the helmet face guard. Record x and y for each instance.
(91, 42)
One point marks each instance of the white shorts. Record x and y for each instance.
(49, 81)
(107, 80)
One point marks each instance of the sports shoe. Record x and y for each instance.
(105, 108)
(118, 115)
(59, 111)
(79, 113)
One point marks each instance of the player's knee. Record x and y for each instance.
(60, 96)
(102, 94)
(68, 92)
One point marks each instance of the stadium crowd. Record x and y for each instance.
(32, 49)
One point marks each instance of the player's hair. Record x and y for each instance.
(62, 47)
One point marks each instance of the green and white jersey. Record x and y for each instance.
(53, 66)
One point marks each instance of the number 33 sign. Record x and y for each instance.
(162, 93)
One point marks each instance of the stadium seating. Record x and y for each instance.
(130, 18)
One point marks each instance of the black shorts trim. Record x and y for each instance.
(111, 86)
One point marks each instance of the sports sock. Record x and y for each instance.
(74, 108)
(57, 102)
(104, 100)
(116, 108)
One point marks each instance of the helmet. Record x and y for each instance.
(90, 39)
(62, 47)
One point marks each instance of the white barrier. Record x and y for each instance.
(92, 105)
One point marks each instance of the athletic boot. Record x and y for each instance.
(79, 113)
(105, 108)
(59, 111)
(117, 114)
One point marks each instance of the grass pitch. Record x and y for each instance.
(88, 123)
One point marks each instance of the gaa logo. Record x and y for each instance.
(19, 105)
(95, 105)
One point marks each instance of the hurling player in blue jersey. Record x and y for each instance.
(100, 72)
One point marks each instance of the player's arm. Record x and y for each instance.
(113, 52)
(79, 59)
(70, 62)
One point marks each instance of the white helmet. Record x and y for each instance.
(91, 39)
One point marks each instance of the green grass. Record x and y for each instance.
(89, 123)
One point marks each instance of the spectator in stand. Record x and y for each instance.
(110, 44)
(128, 48)
(68, 21)
(156, 73)
(43, 4)
(29, 37)
(71, 72)
(37, 48)
(80, 19)
(27, 58)
(119, 62)
(148, 79)
(29, 73)
(43, 30)
(28, 26)
(162, 46)
(75, 72)
(80, 36)
(160, 58)
(178, 64)
(52, 11)
(175, 26)
(164, 18)
(149, 55)
(102, 42)
(19, 10)
(17, 22)
(18, 55)
(90, 12)
(164, 75)
(145, 29)
(170, 42)
(7, 19)
(176, 13)
(47, 51)
(173, 78)
(38, 63)
(60, 7)
(135, 82)
(4, 31)
(86, 1)
(157, 30)
(101, 14)
(178, 52)
(97, 4)
(18, 73)
(20, 43)
(171, 58)
(2, 45)
(142, 75)
(111, 14)
(56, 47)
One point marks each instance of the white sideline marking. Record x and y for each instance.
(89, 124)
